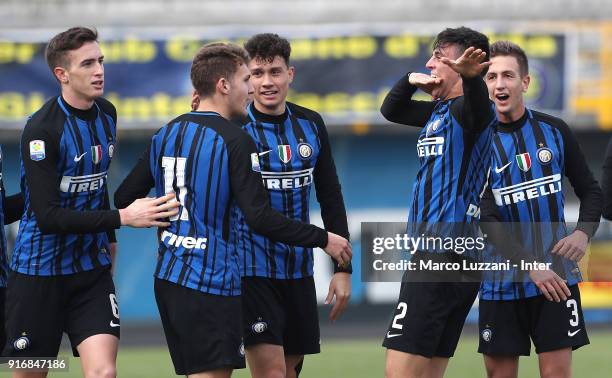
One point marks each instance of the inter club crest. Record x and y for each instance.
(96, 154)
(545, 155)
(524, 161)
(284, 153)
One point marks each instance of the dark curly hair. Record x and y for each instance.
(463, 38)
(267, 46)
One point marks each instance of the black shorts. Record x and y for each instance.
(506, 326)
(429, 317)
(202, 330)
(39, 309)
(281, 312)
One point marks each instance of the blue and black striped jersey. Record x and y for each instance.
(293, 153)
(65, 157)
(530, 158)
(10, 211)
(206, 160)
(454, 150)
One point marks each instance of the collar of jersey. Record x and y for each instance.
(205, 113)
(513, 126)
(88, 115)
(257, 116)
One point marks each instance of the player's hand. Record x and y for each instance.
(550, 284)
(470, 64)
(424, 82)
(339, 248)
(149, 212)
(195, 101)
(573, 246)
(340, 287)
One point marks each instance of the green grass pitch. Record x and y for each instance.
(365, 358)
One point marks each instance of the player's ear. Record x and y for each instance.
(223, 85)
(291, 73)
(61, 75)
(525, 83)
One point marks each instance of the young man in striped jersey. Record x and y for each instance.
(211, 164)
(454, 149)
(11, 208)
(279, 303)
(532, 151)
(60, 279)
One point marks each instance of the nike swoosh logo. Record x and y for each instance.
(264, 153)
(390, 335)
(78, 158)
(114, 324)
(499, 170)
(572, 334)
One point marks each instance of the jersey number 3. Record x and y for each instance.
(174, 171)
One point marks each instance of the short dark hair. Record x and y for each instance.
(58, 47)
(266, 46)
(213, 62)
(463, 38)
(507, 48)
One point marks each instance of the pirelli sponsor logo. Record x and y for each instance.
(81, 184)
(528, 190)
(287, 180)
(433, 146)
(181, 241)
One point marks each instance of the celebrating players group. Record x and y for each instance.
(232, 180)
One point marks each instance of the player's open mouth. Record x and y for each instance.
(502, 97)
(269, 93)
(98, 83)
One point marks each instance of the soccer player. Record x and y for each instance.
(606, 182)
(11, 208)
(212, 165)
(279, 302)
(532, 151)
(62, 257)
(458, 123)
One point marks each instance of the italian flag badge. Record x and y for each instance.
(524, 161)
(96, 154)
(284, 152)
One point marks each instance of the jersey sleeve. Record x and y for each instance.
(585, 186)
(606, 183)
(42, 180)
(13, 208)
(246, 187)
(399, 107)
(473, 110)
(329, 193)
(137, 184)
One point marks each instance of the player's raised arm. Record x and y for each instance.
(399, 107)
(474, 110)
(252, 199)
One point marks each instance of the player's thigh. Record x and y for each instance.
(263, 313)
(504, 328)
(437, 367)
(98, 355)
(293, 365)
(501, 366)
(202, 330)
(557, 363)
(92, 308)
(266, 360)
(558, 325)
(219, 373)
(420, 318)
(301, 334)
(34, 316)
(401, 365)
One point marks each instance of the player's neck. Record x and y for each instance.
(513, 115)
(210, 105)
(76, 101)
(455, 91)
(273, 111)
